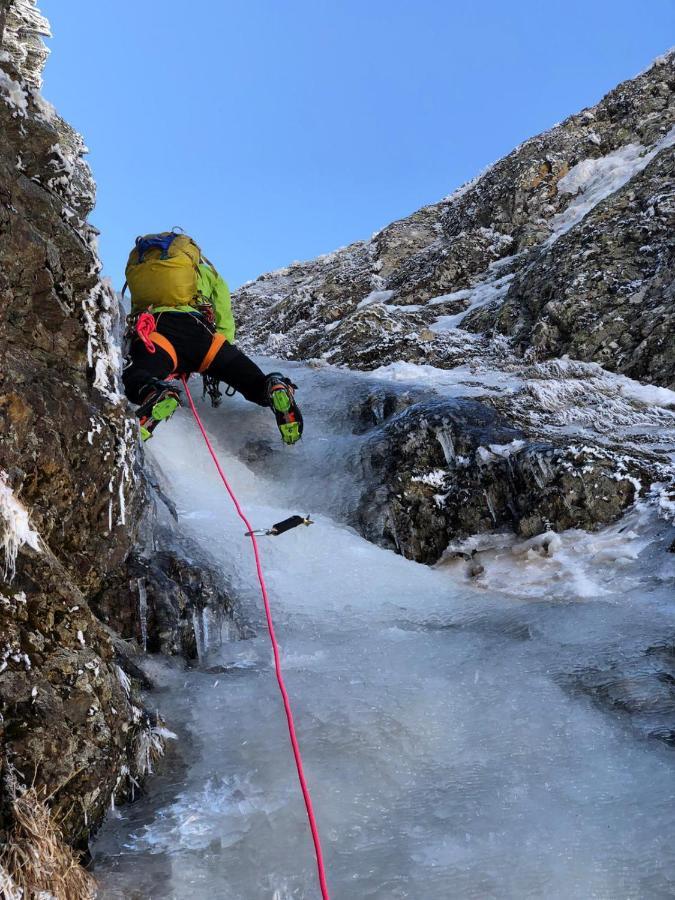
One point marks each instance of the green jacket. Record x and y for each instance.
(213, 288)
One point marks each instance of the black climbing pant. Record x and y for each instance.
(191, 339)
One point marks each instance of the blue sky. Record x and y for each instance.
(275, 130)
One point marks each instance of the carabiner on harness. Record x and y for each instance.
(211, 388)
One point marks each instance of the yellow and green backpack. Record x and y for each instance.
(162, 270)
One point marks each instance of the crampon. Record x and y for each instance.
(161, 404)
(280, 393)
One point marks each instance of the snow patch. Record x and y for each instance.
(591, 180)
(375, 297)
(499, 451)
(664, 496)
(484, 294)
(433, 479)
(568, 565)
(460, 381)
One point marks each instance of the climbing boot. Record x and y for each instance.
(280, 395)
(159, 403)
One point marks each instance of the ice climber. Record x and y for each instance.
(181, 322)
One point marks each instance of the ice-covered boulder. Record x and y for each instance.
(445, 469)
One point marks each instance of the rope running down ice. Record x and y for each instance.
(275, 648)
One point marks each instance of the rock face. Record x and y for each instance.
(76, 520)
(604, 291)
(169, 591)
(490, 246)
(68, 462)
(562, 249)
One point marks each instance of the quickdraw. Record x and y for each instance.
(280, 527)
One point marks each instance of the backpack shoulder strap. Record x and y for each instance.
(210, 265)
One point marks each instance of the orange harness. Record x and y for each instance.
(217, 342)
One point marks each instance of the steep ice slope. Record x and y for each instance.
(457, 732)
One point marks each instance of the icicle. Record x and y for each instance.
(143, 612)
(15, 530)
(201, 631)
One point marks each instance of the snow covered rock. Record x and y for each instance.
(605, 290)
(444, 469)
(404, 293)
(22, 27)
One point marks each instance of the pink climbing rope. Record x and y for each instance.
(277, 660)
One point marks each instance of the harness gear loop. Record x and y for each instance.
(314, 828)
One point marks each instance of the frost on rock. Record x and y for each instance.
(25, 52)
(664, 497)
(66, 435)
(150, 747)
(124, 680)
(15, 530)
(97, 425)
(22, 44)
(125, 450)
(64, 174)
(14, 94)
(12, 652)
(64, 164)
(445, 284)
(103, 352)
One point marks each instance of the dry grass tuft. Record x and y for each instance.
(35, 862)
